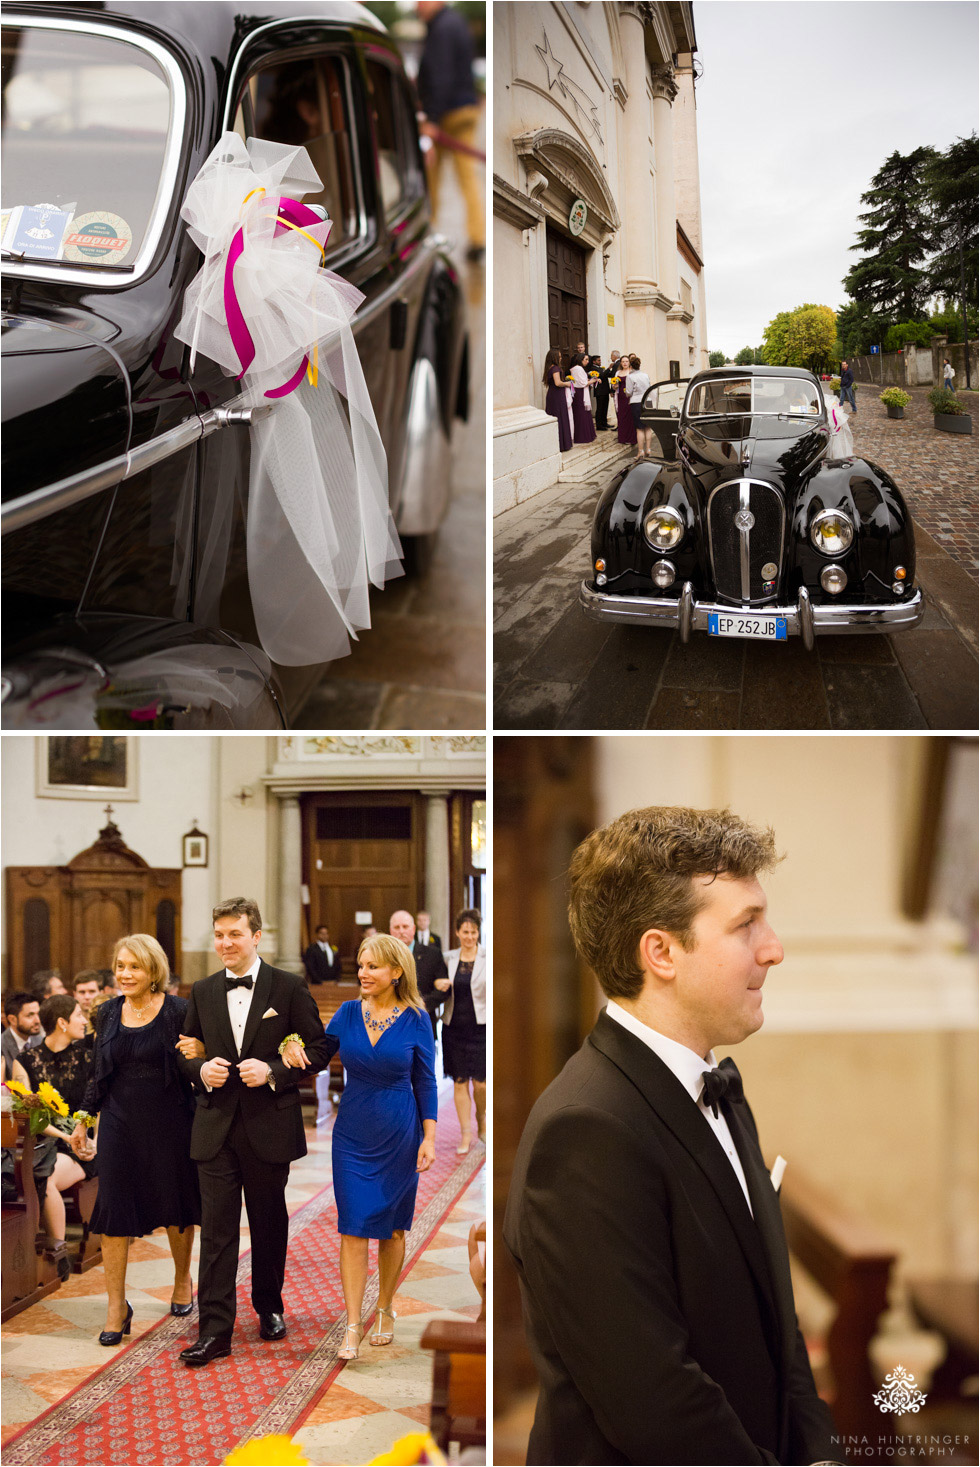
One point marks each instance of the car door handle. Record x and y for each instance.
(399, 324)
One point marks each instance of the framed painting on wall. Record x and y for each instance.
(87, 767)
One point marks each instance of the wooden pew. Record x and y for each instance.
(950, 1307)
(21, 1282)
(851, 1262)
(459, 1382)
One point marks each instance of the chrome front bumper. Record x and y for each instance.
(802, 619)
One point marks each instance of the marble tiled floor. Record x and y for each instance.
(50, 1349)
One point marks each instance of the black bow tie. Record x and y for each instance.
(231, 982)
(724, 1083)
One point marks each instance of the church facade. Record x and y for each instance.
(596, 201)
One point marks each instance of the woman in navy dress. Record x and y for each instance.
(626, 432)
(464, 1026)
(146, 1177)
(385, 1131)
(582, 424)
(557, 401)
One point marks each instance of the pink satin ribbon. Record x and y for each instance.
(295, 213)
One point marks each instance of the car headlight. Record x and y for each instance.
(831, 532)
(664, 528)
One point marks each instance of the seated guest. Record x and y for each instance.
(320, 959)
(582, 424)
(46, 983)
(63, 1060)
(558, 398)
(20, 1009)
(84, 986)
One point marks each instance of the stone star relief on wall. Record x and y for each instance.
(567, 88)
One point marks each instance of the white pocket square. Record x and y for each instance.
(270, 1014)
(776, 1175)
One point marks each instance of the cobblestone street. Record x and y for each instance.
(556, 669)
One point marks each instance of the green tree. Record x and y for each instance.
(803, 337)
(953, 179)
(859, 329)
(906, 333)
(897, 237)
(949, 322)
(716, 359)
(758, 358)
(745, 357)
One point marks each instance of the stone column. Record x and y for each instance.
(437, 866)
(664, 92)
(637, 197)
(290, 879)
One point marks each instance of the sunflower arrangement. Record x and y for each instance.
(45, 1107)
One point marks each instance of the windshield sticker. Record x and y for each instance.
(39, 231)
(99, 237)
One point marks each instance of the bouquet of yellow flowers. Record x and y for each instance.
(594, 376)
(614, 382)
(44, 1108)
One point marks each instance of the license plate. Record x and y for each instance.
(769, 628)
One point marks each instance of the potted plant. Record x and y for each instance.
(949, 414)
(835, 384)
(895, 400)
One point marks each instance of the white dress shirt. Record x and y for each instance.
(688, 1067)
(240, 1001)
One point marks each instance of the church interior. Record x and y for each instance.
(105, 836)
(863, 1075)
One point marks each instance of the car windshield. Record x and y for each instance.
(751, 395)
(86, 119)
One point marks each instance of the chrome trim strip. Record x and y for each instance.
(664, 611)
(44, 502)
(743, 549)
(58, 274)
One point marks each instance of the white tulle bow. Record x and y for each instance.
(319, 529)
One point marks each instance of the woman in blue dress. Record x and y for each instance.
(385, 1131)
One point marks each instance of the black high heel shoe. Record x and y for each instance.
(182, 1310)
(114, 1336)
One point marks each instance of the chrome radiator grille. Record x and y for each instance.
(745, 533)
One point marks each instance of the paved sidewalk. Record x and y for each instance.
(937, 472)
(554, 668)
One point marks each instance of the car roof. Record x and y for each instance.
(732, 371)
(210, 27)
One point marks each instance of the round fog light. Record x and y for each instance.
(663, 573)
(600, 579)
(833, 579)
(898, 588)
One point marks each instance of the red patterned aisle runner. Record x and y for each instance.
(147, 1408)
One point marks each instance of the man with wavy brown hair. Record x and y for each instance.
(643, 1222)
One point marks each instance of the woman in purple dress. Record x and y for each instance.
(583, 428)
(558, 400)
(626, 432)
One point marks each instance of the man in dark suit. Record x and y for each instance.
(424, 933)
(429, 963)
(602, 393)
(320, 959)
(643, 1222)
(23, 1029)
(248, 1125)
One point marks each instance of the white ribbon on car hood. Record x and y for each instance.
(319, 529)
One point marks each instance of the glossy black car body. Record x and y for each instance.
(747, 493)
(124, 483)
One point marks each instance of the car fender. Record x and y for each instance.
(617, 526)
(884, 535)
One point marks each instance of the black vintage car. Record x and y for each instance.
(750, 522)
(125, 473)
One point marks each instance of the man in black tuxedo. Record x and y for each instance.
(429, 963)
(320, 959)
(602, 393)
(643, 1222)
(423, 931)
(248, 1125)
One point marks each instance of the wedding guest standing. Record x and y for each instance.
(558, 399)
(384, 1134)
(602, 393)
(626, 431)
(583, 428)
(63, 1060)
(146, 1177)
(464, 1026)
(639, 384)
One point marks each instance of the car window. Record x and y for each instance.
(667, 395)
(305, 101)
(86, 121)
(793, 395)
(399, 172)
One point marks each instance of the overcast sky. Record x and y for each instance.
(800, 103)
